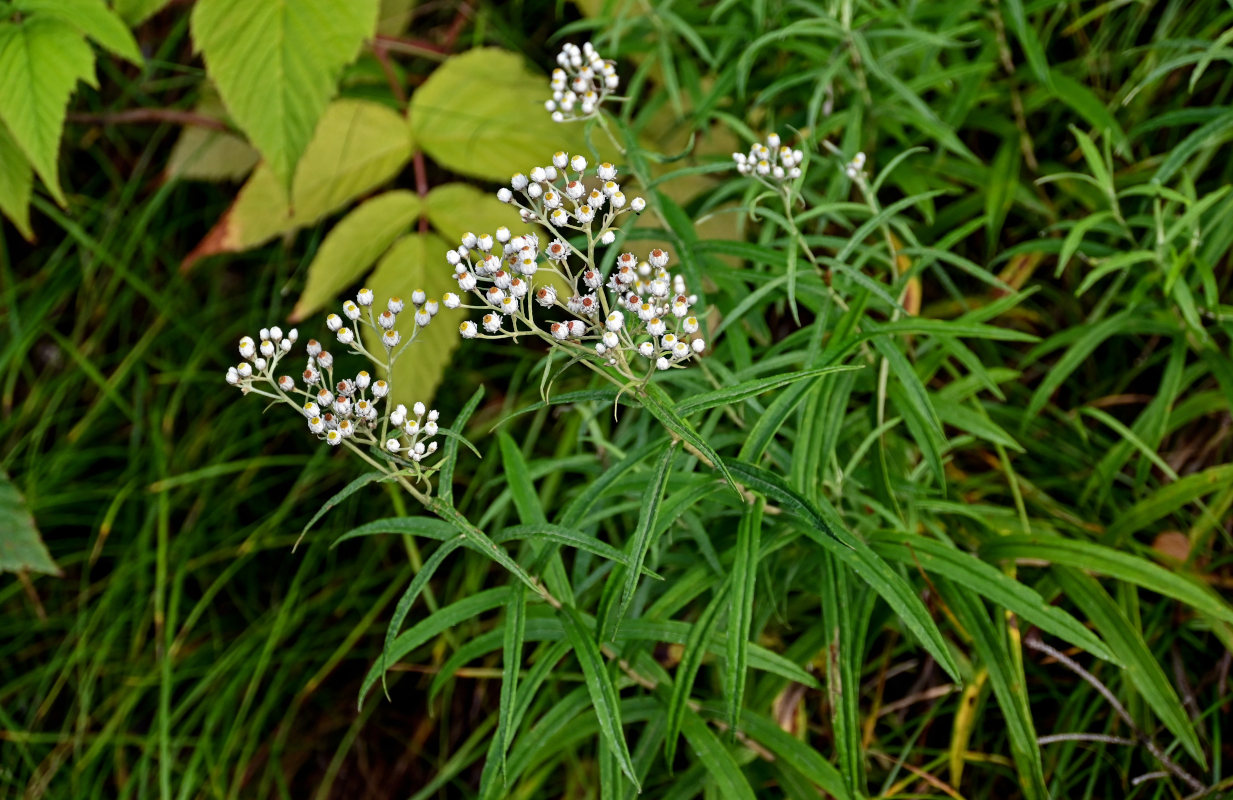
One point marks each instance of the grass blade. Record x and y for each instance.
(740, 610)
(641, 540)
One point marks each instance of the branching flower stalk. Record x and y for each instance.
(351, 411)
(625, 325)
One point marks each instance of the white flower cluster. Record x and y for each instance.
(337, 411)
(773, 160)
(645, 311)
(359, 312)
(581, 83)
(856, 167)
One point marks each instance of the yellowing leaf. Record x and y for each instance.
(276, 64)
(415, 262)
(353, 245)
(16, 181)
(358, 146)
(203, 154)
(482, 114)
(93, 18)
(41, 60)
(455, 208)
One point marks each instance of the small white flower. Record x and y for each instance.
(690, 325)
(333, 438)
(468, 330)
(286, 383)
(311, 410)
(518, 182)
(615, 321)
(245, 370)
(492, 322)
(380, 389)
(391, 339)
(468, 240)
(578, 163)
(316, 424)
(398, 416)
(346, 336)
(505, 195)
(610, 339)
(248, 347)
(451, 300)
(546, 295)
(560, 159)
(233, 376)
(362, 380)
(395, 305)
(662, 363)
(351, 310)
(386, 320)
(637, 204)
(266, 348)
(365, 297)
(259, 364)
(656, 327)
(559, 330)
(392, 445)
(658, 258)
(466, 281)
(608, 237)
(647, 349)
(698, 345)
(419, 409)
(577, 328)
(430, 428)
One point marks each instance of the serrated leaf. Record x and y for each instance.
(21, 547)
(16, 183)
(204, 154)
(455, 208)
(353, 245)
(277, 64)
(41, 59)
(414, 263)
(135, 12)
(482, 114)
(93, 18)
(358, 146)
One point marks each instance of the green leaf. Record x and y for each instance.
(203, 154)
(656, 401)
(803, 758)
(16, 183)
(558, 534)
(1029, 41)
(989, 582)
(135, 12)
(1002, 183)
(511, 663)
(41, 59)
(740, 610)
(1093, 557)
(427, 527)
(411, 594)
(1169, 498)
(753, 388)
(353, 245)
(449, 458)
(1137, 661)
(641, 540)
(1084, 102)
(604, 697)
(21, 547)
(482, 114)
(439, 621)
(1009, 686)
(412, 264)
(358, 146)
(824, 527)
(342, 494)
(277, 64)
(720, 765)
(93, 18)
(700, 634)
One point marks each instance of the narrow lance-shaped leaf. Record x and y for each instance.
(641, 540)
(409, 596)
(604, 697)
(740, 610)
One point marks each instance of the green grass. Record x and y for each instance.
(190, 652)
